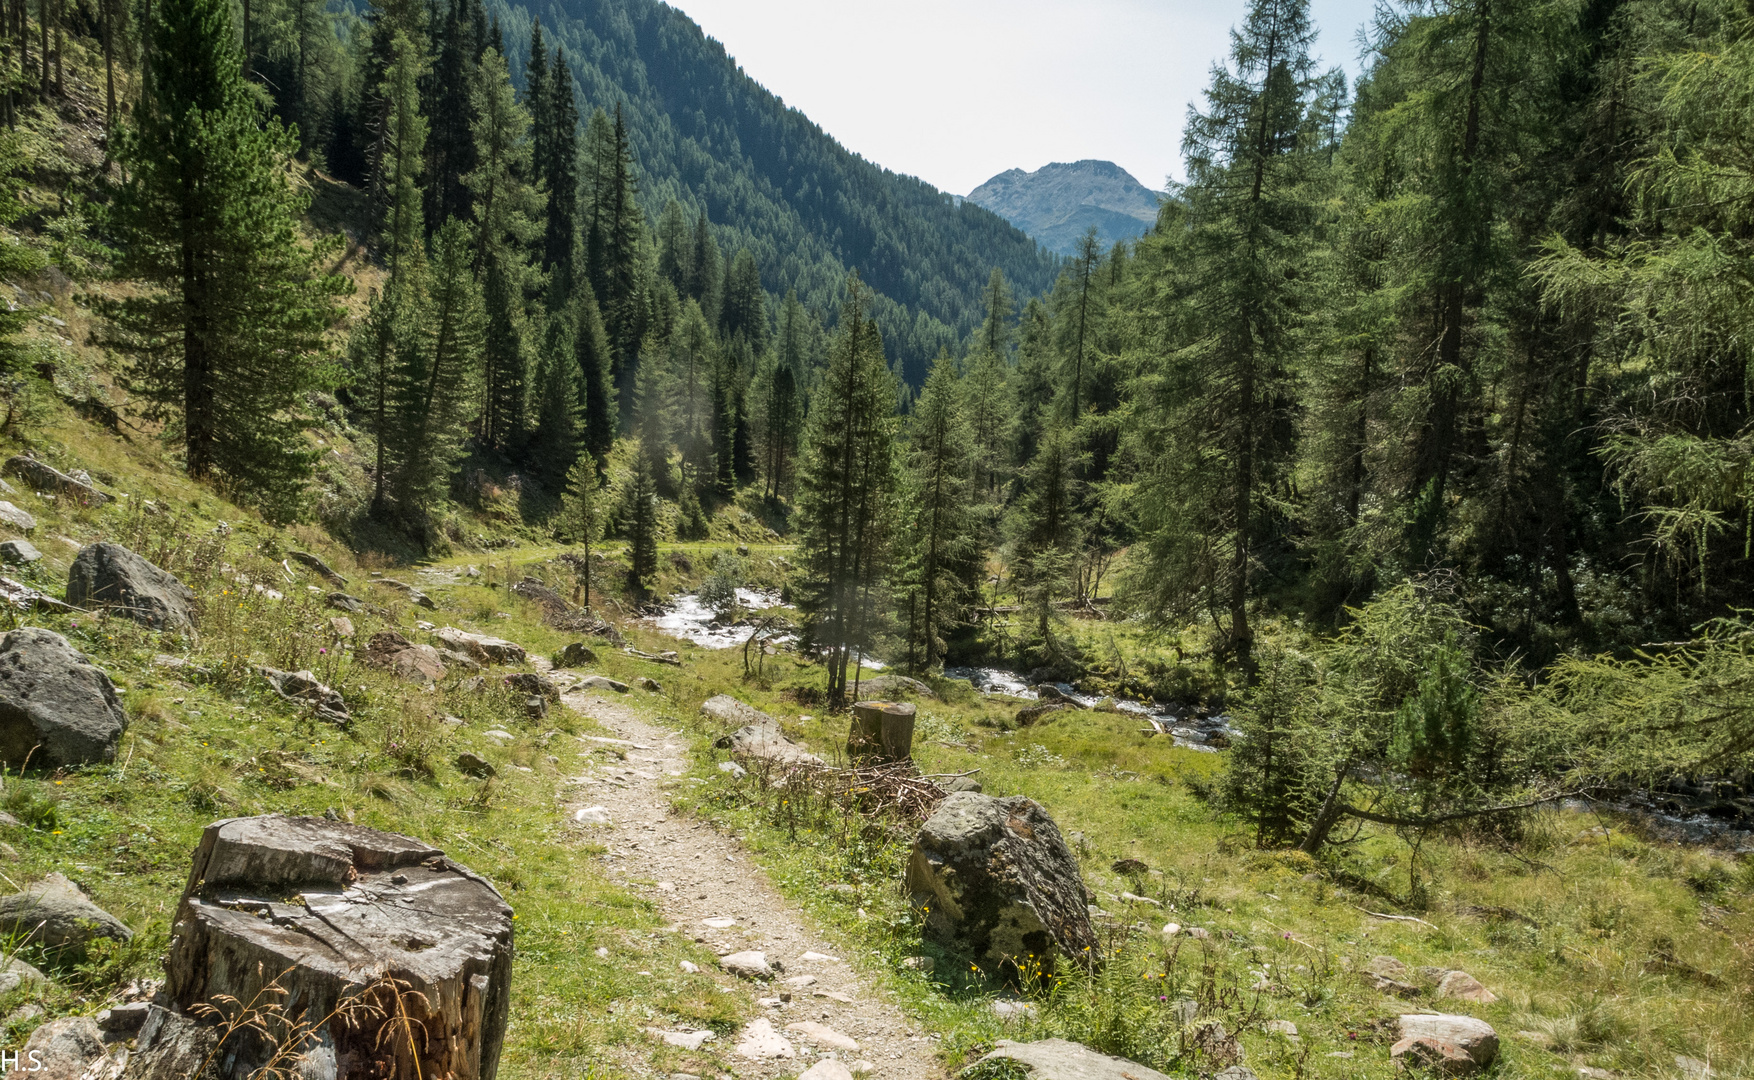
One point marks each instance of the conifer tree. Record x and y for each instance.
(675, 248)
(744, 311)
(996, 330)
(597, 387)
(846, 487)
(1215, 433)
(229, 337)
(439, 377)
(451, 148)
(642, 529)
(1046, 528)
(381, 343)
(614, 224)
(703, 269)
(582, 519)
(506, 205)
(505, 397)
(780, 424)
(943, 537)
(558, 433)
(559, 174)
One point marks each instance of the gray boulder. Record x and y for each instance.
(577, 654)
(16, 518)
(1452, 1045)
(16, 973)
(533, 684)
(728, 710)
(56, 914)
(485, 649)
(994, 880)
(304, 688)
(56, 707)
(65, 1048)
(404, 659)
(340, 601)
(472, 764)
(43, 477)
(321, 568)
(601, 682)
(110, 576)
(1057, 1059)
(765, 742)
(17, 552)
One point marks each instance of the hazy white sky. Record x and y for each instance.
(954, 91)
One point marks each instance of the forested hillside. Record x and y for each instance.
(708, 135)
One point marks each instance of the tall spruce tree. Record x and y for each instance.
(1216, 430)
(846, 489)
(944, 543)
(438, 378)
(592, 358)
(229, 337)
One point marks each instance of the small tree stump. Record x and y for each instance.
(369, 952)
(881, 729)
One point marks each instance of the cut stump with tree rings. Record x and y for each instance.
(881, 729)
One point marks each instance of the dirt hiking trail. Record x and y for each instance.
(701, 874)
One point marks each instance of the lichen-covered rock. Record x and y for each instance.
(322, 569)
(18, 519)
(766, 742)
(404, 659)
(994, 880)
(63, 1049)
(43, 477)
(731, 712)
(577, 654)
(1058, 1059)
(1453, 1045)
(1029, 714)
(334, 912)
(55, 913)
(304, 688)
(56, 707)
(485, 650)
(533, 685)
(106, 575)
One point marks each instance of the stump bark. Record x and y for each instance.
(370, 954)
(883, 730)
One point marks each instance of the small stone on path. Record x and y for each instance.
(822, 1035)
(826, 1069)
(819, 956)
(591, 815)
(719, 922)
(751, 964)
(687, 1040)
(760, 1041)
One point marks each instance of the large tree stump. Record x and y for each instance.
(371, 954)
(881, 729)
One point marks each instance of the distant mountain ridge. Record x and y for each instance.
(1056, 204)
